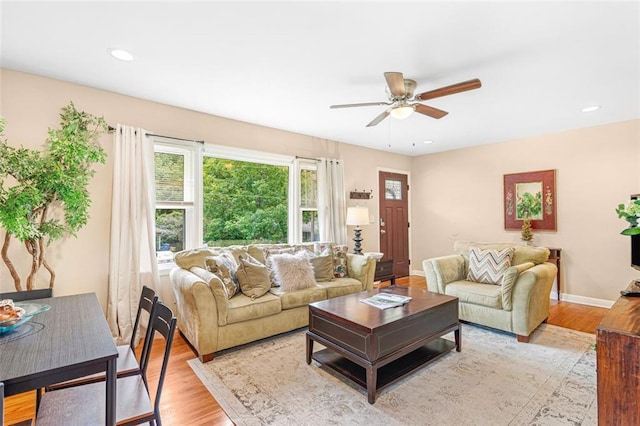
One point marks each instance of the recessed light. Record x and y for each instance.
(121, 54)
(591, 108)
(428, 142)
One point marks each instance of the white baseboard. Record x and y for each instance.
(591, 301)
(582, 300)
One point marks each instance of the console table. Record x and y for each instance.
(554, 257)
(384, 271)
(618, 358)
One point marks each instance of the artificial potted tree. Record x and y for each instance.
(43, 193)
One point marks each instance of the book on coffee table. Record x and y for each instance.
(386, 300)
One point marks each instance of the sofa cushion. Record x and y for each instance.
(521, 254)
(341, 287)
(187, 259)
(293, 299)
(322, 267)
(292, 271)
(224, 267)
(243, 308)
(488, 266)
(253, 277)
(476, 293)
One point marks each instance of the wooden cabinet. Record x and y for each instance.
(618, 364)
(384, 271)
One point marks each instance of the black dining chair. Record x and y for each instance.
(1, 404)
(85, 404)
(127, 363)
(21, 296)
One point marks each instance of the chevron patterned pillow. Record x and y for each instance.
(488, 266)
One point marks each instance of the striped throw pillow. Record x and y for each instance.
(488, 266)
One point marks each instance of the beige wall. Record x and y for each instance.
(31, 104)
(458, 196)
(455, 195)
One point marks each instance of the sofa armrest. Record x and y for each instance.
(530, 297)
(362, 268)
(196, 310)
(440, 271)
(508, 281)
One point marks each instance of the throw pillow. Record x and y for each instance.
(340, 261)
(339, 254)
(293, 271)
(269, 252)
(488, 266)
(323, 268)
(224, 267)
(253, 277)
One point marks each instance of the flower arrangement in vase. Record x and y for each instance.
(527, 232)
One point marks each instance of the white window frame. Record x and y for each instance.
(195, 153)
(192, 203)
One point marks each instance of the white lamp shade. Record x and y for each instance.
(402, 112)
(357, 216)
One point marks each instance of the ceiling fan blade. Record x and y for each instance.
(430, 111)
(379, 118)
(449, 90)
(360, 105)
(395, 81)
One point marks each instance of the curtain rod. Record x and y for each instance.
(113, 129)
(306, 158)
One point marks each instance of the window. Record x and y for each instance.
(244, 202)
(220, 196)
(309, 202)
(175, 198)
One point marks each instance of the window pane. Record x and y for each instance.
(244, 202)
(169, 169)
(392, 189)
(310, 226)
(170, 225)
(308, 188)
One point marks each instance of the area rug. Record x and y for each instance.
(494, 381)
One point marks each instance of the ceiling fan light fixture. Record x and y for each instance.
(402, 112)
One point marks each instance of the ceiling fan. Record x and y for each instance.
(403, 103)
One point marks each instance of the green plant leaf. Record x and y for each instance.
(631, 231)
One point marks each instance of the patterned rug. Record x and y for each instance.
(493, 381)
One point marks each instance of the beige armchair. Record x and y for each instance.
(517, 305)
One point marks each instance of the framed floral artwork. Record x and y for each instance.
(530, 195)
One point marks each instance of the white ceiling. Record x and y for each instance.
(281, 64)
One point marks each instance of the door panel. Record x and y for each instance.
(394, 221)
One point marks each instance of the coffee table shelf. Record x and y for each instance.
(391, 372)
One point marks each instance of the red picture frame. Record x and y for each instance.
(532, 195)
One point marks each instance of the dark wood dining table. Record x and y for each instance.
(70, 340)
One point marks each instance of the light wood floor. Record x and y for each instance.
(186, 401)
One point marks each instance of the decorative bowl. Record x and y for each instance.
(374, 255)
(29, 310)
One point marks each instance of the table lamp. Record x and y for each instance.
(357, 216)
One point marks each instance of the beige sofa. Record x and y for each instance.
(212, 322)
(517, 305)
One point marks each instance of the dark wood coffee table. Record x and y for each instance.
(374, 348)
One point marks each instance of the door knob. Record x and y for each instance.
(382, 231)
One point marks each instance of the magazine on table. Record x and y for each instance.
(386, 300)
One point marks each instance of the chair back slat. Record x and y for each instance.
(164, 322)
(1, 404)
(19, 296)
(148, 298)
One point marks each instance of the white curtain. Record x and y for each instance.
(132, 259)
(331, 201)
